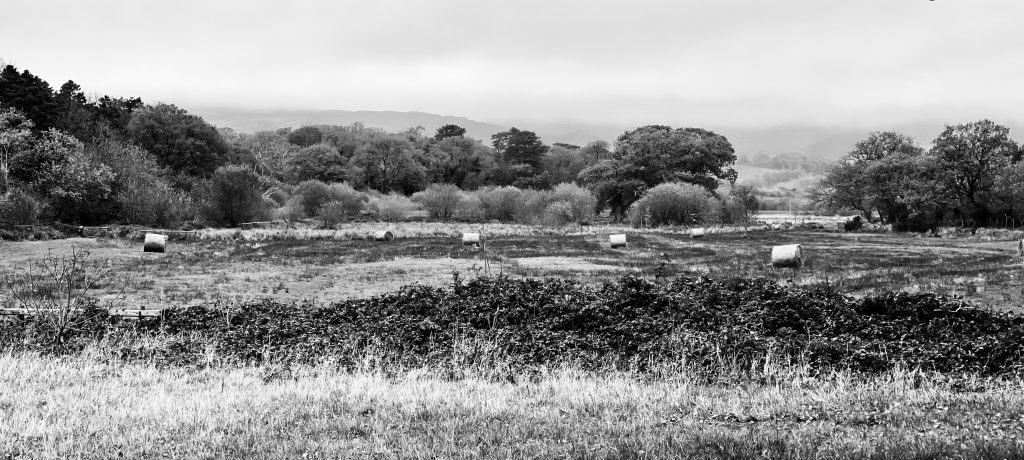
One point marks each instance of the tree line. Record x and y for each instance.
(70, 158)
(970, 177)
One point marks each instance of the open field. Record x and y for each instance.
(527, 385)
(79, 407)
(232, 265)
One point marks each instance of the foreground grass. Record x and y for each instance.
(81, 407)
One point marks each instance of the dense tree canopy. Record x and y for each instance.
(181, 141)
(449, 130)
(973, 154)
(967, 174)
(656, 154)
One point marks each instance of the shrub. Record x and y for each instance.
(581, 200)
(18, 207)
(235, 195)
(352, 200)
(470, 208)
(854, 224)
(499, 203)
(440, 200)
(530, 209)
(332, 213)
(316, 193)
(559, 213)
(392, 207)
(677, 203)
(293, 209)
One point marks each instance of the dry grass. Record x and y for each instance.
(81, 407)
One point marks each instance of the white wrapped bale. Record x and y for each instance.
(154, 243)
(617, 241)
(471, 239)
(788, 256)
(697, 233)
(384, 235)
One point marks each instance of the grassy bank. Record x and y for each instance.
(81, 407)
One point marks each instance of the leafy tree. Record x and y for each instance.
(564, 164)
(77, 190)
(449, 130)
(596, 151)
(30, 95)
(116, 113)
(655, 154)
(15, 139)
(236, 195)
(462, 161)
(882, 173)
(318, 162)
(51, 148)
(973, 154)
(613, 190)
(181, 141)
(305, 136)
(386, 164)
(519, 154)
(746, 203)
(75, 114)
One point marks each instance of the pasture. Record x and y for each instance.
(192, 387)
(326, 265)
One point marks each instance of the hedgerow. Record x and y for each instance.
(633, 323)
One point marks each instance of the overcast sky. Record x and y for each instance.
(744, 62)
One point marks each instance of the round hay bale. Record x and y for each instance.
(788, 256)
(617, 241)
(384, 235)
(471, 239)
(697, 233)
(154, 242)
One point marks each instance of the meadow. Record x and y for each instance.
(221, 395)
(324, 265)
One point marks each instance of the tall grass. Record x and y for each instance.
(85, 407)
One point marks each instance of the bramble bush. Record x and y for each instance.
(633, 323)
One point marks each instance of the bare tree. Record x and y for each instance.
(55, 291)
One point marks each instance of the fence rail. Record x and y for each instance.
(120, 312)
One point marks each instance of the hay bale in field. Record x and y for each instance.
(383, 235)
(471, 239)
(697, 233)
(776, 227)
(788, 256)
(617, 241)
(154, 242)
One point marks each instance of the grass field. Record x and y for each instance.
(61, 408)
(93, 405)
(326, 265)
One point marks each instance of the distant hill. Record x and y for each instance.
(818, 142)
(249, 121)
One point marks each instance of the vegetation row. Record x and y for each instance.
(634, 323)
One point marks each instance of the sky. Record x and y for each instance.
(740, 62)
